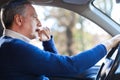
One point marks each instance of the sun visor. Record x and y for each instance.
(77, 2)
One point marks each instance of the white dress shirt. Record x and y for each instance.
(14, 34)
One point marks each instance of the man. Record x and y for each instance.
(22, 61)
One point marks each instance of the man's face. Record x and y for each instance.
(30, 22)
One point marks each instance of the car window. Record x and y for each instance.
(110, 7)
(72, 32)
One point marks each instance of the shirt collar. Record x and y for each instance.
(14, 34)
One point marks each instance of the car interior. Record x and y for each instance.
(109, 69)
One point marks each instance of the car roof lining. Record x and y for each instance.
(67, 1)
(77, 2)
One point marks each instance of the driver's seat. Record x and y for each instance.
(1, 29)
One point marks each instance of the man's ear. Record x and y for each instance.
(18, 19)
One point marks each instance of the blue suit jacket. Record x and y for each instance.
(22, 61)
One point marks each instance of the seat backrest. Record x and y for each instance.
(1, 29)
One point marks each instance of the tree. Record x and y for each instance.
(68, 20)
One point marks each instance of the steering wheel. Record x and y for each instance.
(110, 65)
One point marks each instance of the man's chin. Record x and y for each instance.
(33, 37)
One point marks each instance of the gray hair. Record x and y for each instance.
(11, 9)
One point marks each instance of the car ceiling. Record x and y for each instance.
(77, 6)
(79, 2)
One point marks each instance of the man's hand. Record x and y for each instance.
(43, 33)
(112, 42)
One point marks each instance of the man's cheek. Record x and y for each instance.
(34, 27)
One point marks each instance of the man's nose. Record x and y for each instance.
(39, 23)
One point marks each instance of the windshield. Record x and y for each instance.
(110, 7)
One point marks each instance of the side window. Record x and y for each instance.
(72, 32)
(110, 7)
